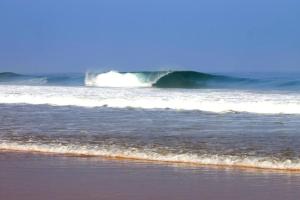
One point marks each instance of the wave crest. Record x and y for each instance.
(163, 79)
(123, 79)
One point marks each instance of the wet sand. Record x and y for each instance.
(39, 176)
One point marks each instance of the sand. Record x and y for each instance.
(30, 176)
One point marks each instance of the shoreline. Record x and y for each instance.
(44, 176)
(162, 162)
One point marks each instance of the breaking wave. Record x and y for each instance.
(156, 155)
(163, 79)
(154, 79)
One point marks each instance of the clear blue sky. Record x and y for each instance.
(204, 35)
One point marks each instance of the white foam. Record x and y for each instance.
(151, 98)
(115, 79)
(206, 159)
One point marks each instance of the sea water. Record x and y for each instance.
(173, 116)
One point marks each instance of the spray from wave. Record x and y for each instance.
(125, 79)
(115, 79)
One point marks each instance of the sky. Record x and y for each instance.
(133, 35)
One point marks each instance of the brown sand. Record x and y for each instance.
(43, 177)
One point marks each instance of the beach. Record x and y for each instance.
(149, 100)
(63, 138)
(45, 176)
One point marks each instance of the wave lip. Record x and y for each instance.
(150, 155)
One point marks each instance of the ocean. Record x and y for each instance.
(230, 120)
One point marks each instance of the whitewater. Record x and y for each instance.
(165, 116)
(210, 100)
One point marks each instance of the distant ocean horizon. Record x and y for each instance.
(249, 120)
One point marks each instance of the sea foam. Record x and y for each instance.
(115, 79)
(152, 155)
(202, 100)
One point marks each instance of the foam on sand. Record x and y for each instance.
(152, 155)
